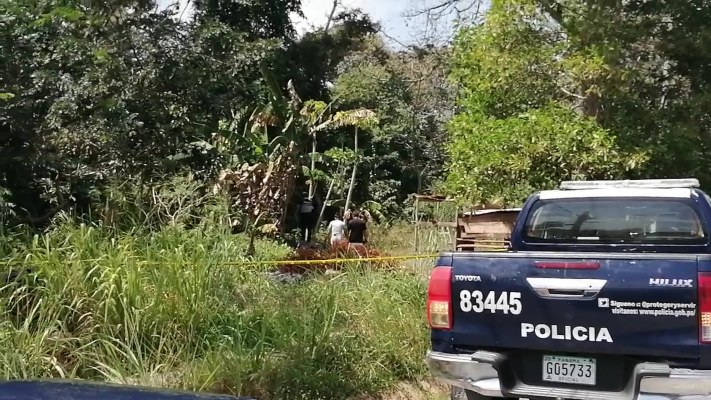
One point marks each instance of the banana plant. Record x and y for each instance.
(300, 121)
(359, 118)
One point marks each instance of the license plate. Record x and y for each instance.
(564, 369)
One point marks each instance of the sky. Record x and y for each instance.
(183, 3)
(391, 14)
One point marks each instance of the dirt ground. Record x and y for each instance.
(423, 390)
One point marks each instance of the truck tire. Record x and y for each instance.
(457, 393)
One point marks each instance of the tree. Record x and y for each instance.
(312, 62)
(362, 118)
(93, 93)
(571, 70)
(103, 94)
(436, 20)
(258, 19)
(409, 92)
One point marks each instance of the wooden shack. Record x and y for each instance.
(486, 229)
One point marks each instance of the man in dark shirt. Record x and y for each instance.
(308, 214)
(357, 230)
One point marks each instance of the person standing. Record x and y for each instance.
(306, 220)
(337, 229)
(357, 230)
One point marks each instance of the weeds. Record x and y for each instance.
(161, 308)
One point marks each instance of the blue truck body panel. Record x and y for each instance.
(628, 282)
(85, 390)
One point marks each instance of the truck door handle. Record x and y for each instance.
(566, 288)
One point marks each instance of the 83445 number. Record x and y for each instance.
(478, 302)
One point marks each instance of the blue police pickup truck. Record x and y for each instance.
(605, 293)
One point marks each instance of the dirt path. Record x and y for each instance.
(423, 390)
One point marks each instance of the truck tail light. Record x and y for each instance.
(704, 307)
(567, 265)
(439, 298)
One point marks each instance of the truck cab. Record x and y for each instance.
(605, 292)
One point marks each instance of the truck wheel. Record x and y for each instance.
(457, 393)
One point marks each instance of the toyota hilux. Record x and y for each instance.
(603, 293)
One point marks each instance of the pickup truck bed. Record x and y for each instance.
(613, 307)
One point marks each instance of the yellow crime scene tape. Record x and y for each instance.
(332, 260)
(30, 261)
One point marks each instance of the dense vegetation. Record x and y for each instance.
(135, 144)
(100, 95)
(143, 153)
(580, 89)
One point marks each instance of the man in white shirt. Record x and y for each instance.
(337, 229)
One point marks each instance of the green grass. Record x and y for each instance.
(400, 239)
(162, 309)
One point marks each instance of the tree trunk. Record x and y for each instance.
(420, 174)
(288, 183)
(312, 187)
(328, 197)
(353, 174)
(330, 16)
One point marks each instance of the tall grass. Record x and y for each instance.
(399, 239)
(162, 308)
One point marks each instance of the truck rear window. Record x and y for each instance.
(614, 220)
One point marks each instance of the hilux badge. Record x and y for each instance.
(663, 282)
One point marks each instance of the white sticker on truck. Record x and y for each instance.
(479, 302)
(566, 332)
(651, 308)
